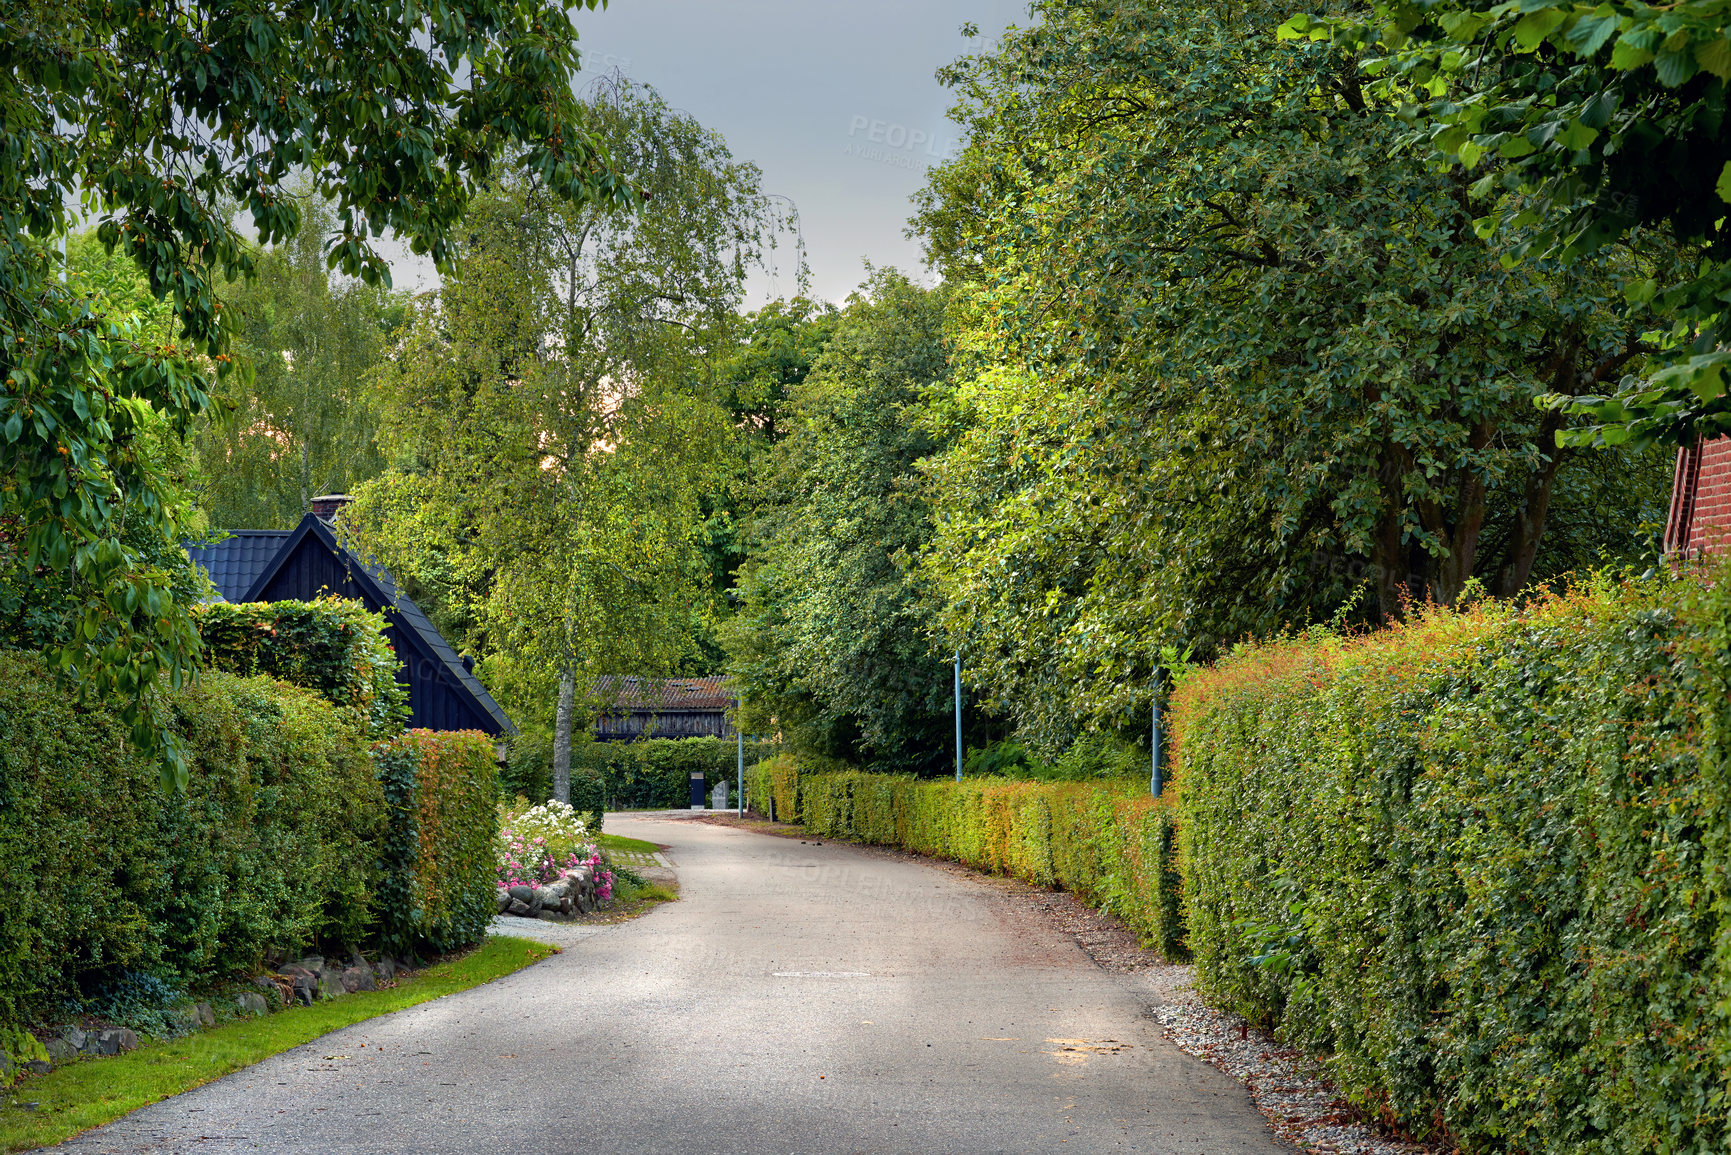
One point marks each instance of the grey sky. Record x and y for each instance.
(835, 102)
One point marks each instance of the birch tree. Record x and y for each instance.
(561, 394)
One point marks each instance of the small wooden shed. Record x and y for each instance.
(629, 708)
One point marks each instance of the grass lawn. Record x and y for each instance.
(90, 1092)
(615, 842)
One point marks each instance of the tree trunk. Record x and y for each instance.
(1517, 567)
(1529, 527)
(1387, 549)
(1454, 571)
(562, 736)
(1388, 562)
(1450, 572)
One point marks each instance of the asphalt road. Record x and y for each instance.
(797, 999)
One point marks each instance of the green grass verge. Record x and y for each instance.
(628, 845)
(649, 894)
(91, 1092)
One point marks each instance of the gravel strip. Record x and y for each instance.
(558, 933)
(1297, 1100)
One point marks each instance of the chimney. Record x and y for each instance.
(326, 506)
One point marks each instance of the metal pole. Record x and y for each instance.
(1154, 783)
(958, 715)
(741, 734)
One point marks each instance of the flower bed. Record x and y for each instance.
(546, 859)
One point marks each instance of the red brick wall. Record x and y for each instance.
(1700, 521)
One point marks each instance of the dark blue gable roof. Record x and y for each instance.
(309, 562)
(235, 562)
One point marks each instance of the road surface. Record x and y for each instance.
(799, 998)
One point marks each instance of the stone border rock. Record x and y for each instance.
(312, 978)
(72, 1041)
(573, 893)
(303, 981)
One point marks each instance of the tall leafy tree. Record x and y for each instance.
(1230, 355)
(39, 611)
(302, 422)
(155, 118)
(777, 346)
(1583, 123)
(560, 397)
(833, 645)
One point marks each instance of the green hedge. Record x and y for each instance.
(656, 772)
(442, 791)
(1479, 862)
(273, 843)
(294, 831)
(776, 779)
(1111, 844)
(333, 645)
(651, 774)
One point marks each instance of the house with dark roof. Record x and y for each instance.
(309, 562)
(629, 708)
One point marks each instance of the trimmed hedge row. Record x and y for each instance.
(1111, 844)
(774, 779)
(650, 774)
(1481, 862)
(333, 645)
(283, 838)
(437, 858)
(274, 841)
(654, 772)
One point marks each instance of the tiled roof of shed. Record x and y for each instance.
(234, 562)
(630, 692)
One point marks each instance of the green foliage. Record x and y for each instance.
(832, 645)
(442, 791)
(653, 773)
(558, 400)
(1092, 756)
(17, 1047)
(1478, 863)
(272, 844)
(365, 99)
(1589, 122)
(140, 1000)
(1228, 358)
(302, 421)
(332, 645)
(1113, 846)
(776, 348)
(94, 506)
